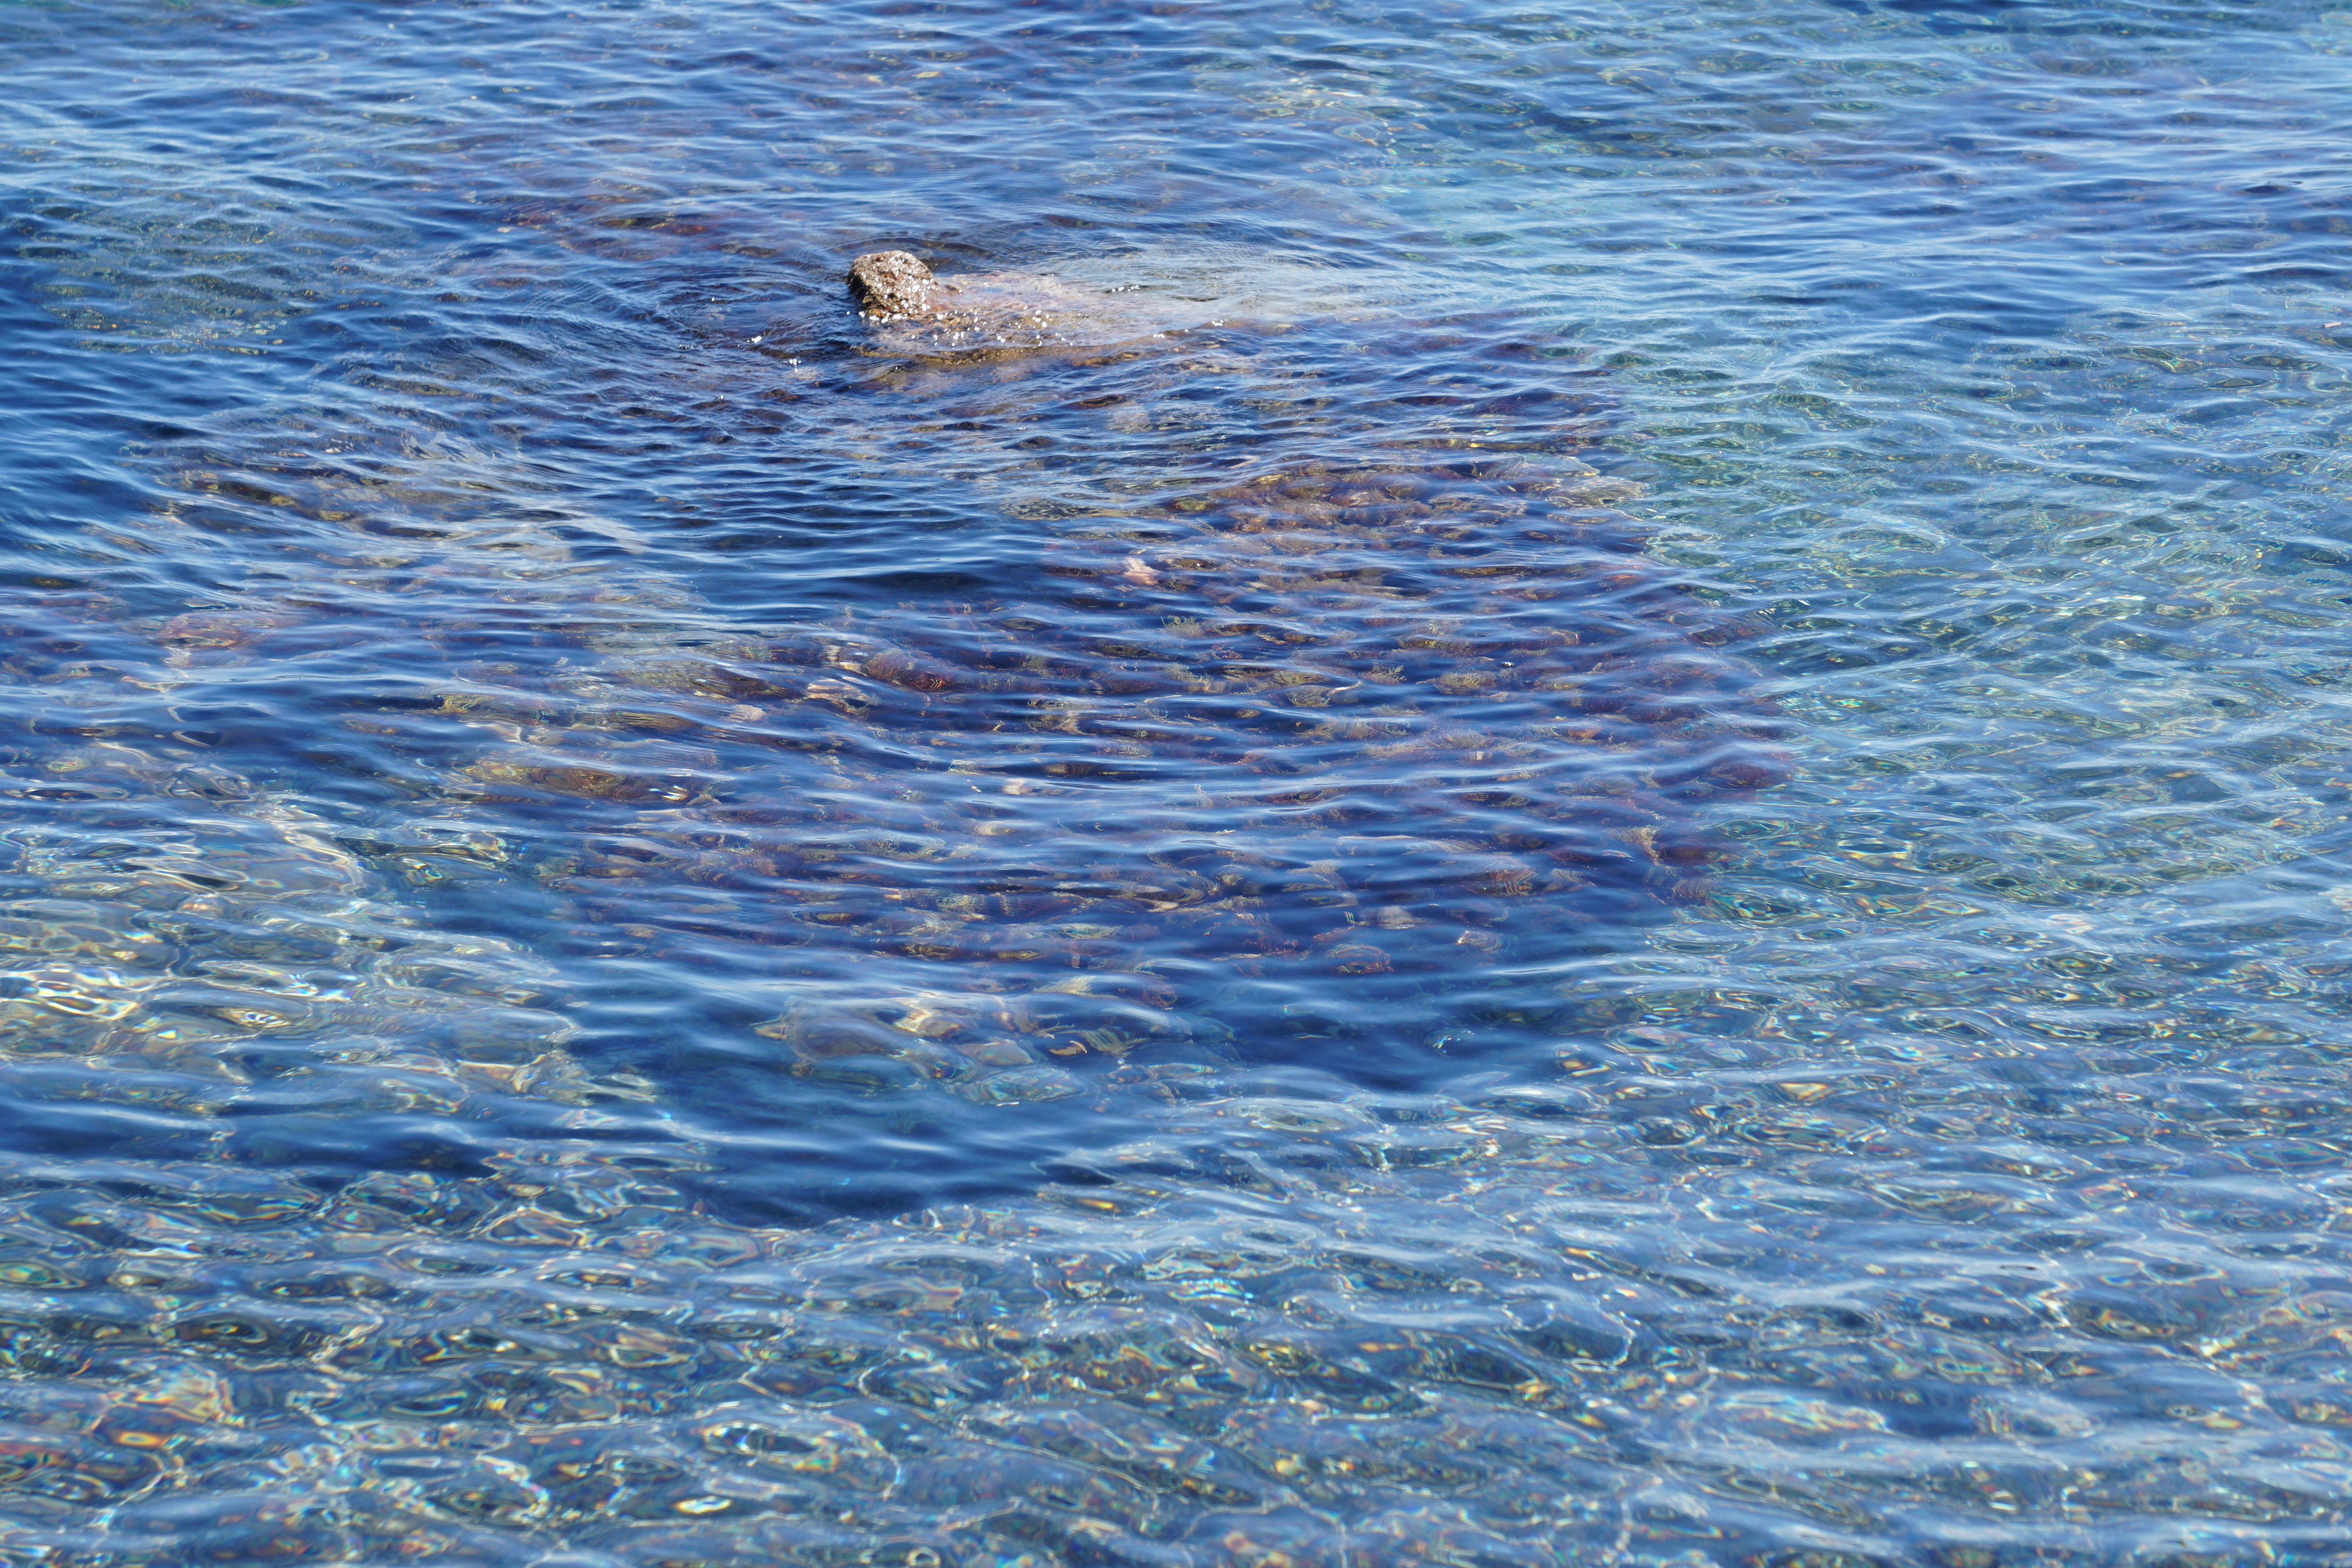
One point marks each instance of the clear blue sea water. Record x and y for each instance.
(1591, 809)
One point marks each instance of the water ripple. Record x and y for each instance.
(638, 927)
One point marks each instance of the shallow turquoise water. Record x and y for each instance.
(1635, 858)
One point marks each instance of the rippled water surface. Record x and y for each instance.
(1589, 807)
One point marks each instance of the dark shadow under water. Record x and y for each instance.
(1308, 707)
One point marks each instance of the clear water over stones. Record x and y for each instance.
(1635, 859)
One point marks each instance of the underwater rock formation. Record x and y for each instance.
(1377, 724)
(1313, 747)
(1298, 741)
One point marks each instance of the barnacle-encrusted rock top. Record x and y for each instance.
(893, 283)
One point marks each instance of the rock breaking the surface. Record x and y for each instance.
(914, 310)
(892, 284)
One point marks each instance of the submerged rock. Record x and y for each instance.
(1287, 734)
(1286, 709)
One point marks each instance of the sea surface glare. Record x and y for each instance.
(1572, 788)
